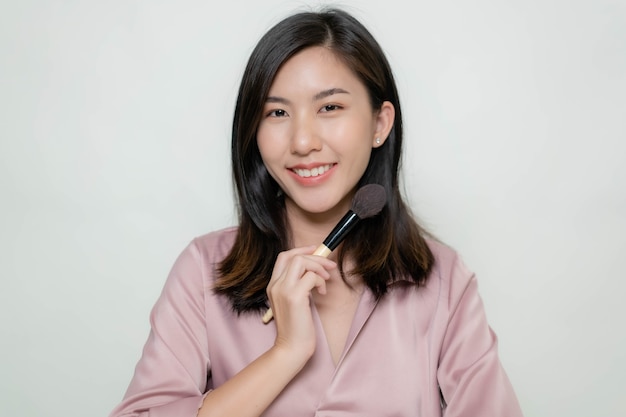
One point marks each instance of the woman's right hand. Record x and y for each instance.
(296, 273)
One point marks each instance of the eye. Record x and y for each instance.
(330, 107)
(276, 113)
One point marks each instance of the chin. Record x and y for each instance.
(316, 208)
(322, 207)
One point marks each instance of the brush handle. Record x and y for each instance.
(367, 202)
(336, 236)
(323, 251)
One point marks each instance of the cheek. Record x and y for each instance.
(271, 148)
(362, 147)
(266, 142)
(273, 134)
(364, 160)
(353, 139)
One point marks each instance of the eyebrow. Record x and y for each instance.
(316, 97)
(329, 92)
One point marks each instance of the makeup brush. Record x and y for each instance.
(368, 201)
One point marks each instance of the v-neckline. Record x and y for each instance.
(364, 309)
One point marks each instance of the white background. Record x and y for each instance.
(114, 139)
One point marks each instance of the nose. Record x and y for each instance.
(304, 139)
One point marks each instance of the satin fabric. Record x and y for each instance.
(425, 351)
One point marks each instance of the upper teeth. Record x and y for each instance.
(312, 172)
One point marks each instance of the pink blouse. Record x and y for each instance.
(425, 351)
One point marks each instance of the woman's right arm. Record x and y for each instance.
(171, 376)
(295, 274)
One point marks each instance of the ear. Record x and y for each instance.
(384, 123)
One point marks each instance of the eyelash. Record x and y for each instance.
(325, 109)
(331, 107)
(272, 113)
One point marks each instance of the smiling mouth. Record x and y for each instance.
(306, 173)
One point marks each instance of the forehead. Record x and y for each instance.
(314, 67)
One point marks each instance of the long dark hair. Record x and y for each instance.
(386, 247)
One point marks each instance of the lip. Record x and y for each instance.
(308, 174)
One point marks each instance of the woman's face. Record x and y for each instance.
(317, 132)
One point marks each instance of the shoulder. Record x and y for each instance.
(215, 245)
(447, 260)
(450, 275)
(201, 256)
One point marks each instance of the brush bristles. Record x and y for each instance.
(369, 200)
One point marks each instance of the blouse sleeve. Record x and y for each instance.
(471, 378)
(170, 379)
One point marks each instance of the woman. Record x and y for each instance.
(390, 324)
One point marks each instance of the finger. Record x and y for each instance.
(300, 265)
(314, 281)
(284, 258)
(302, 275)
(291, 266)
